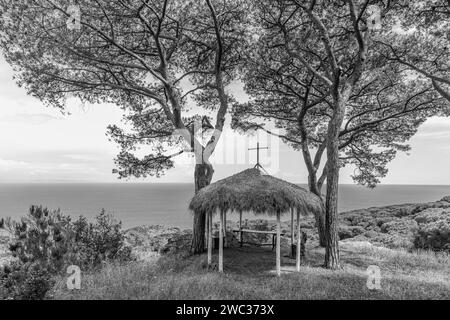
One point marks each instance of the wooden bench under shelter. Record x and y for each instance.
(241, 231)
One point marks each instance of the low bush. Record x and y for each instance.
(93, 243)
(25, 281)
(430, 215)
(346, 232)
(405, 210)
(42, 237)
(394, 241)
(48, 242)
(434, 235)
(434, 232)
(401, 226)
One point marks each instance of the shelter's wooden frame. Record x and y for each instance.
(253, 191)
(222, 232)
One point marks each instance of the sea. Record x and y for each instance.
(167, 204)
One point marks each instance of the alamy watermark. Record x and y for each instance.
(228, 148)
(74, 279)
(374, 20)
(373, 278)
(74, 20)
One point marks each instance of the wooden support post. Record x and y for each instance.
(299, 241)
(225, 229)
(221, 242)
(241, 238)
(292, 233)
(206, 227)
(210, 240)
(278, 244)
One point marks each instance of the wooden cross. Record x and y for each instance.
(258, 148)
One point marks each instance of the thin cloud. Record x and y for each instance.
(8, 165)
(28, 119)
(435, 128)
(85, 157)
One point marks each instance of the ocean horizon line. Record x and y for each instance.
(191, 183)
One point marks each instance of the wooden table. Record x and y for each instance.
(273, 233)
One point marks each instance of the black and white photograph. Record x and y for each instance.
(224, 155)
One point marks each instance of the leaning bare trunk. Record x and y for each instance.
(312, 174)
(203, 177)
(320, 217)
(332, 260)
(321, 229)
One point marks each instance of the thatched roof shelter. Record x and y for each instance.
(252, 191)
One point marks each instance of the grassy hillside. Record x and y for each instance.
(387, 237)
(249, 274)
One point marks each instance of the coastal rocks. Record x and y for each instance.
(446, 199)
(148, 242)
(405, 226)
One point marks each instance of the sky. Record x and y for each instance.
(39, 144)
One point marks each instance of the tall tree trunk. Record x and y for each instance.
(203, 176)
(332, 259)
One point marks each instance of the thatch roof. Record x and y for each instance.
(252, 191)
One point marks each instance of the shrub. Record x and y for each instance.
(429, 206)
(42, 237)
(384, 219)
(434, 232)
(430, 215)
(392, 240)
(25, 281)
(94, 243)
(400, 227)
(108, 237)
(347, 232)
(47, 242)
